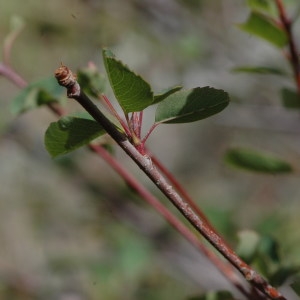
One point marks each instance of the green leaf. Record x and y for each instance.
(37, 94)
(191, 105)
(131, 90)
(91, 81)
(70, 133)
(259, 70)
(166, 93)
(261, 5)
(290, 98)
(262, 252)
(269, 247)
(256, 161)
(108, 115)
(263, 27)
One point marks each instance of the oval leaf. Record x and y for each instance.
(259, 70)
(256, 161)
(262, 26)
(37, 94)
(192, 105)
(260, 5)
(70, 133)
(131, 90)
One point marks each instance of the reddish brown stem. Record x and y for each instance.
(180, 189)
(225, 269)
(149, 132)
(65, 78)
(294, 55)
(10, 74)
(8, 44)
(141, 114)
(113, 111)
(182, 192)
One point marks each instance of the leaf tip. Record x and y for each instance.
(107, 53)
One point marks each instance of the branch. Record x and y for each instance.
(293, 51)
(180, 190)
(66, 78)
(10, 74)
(223, 268)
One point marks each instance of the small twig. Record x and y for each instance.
(66, 79)
(294, 55)
(115, 114)
(10, 74)
(9, 42)
(148, 133)
(141, 115)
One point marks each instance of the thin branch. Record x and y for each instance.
(114, 112)
(293, 51)
(66, 78)
(10, 74)
(141, 115)
(224, 268)
(148, 133)
(181, 190)
(9, 42)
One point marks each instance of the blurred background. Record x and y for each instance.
(70, 229)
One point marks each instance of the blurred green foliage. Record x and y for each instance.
(70, 228)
